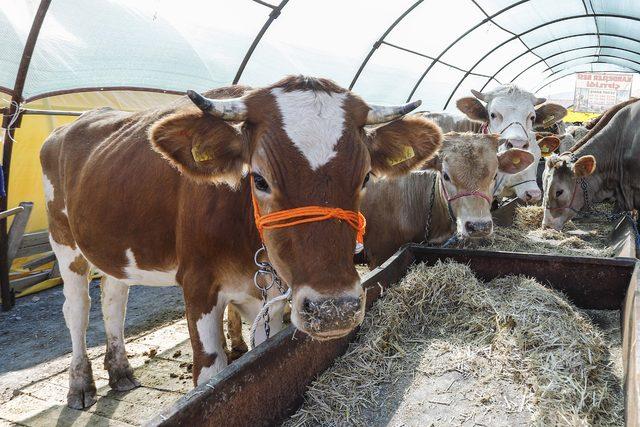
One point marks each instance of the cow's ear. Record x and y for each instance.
(548, 145)
(200, 146)
(514, 160)
(584, 166)
(473, 108)
(402, 145)
(548, 114)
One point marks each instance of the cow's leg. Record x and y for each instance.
(205, 314)
(74, 270)
(114, 308)
(234, 333)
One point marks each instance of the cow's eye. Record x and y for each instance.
(446, 176)
(559, 193)
(493, 115)
(261, 183)
(366, 179)
(495, 177)
(532, 118)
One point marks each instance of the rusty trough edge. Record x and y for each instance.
(267, 384)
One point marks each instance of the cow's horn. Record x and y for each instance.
(539, 101)
(227, 109)
(386, 113)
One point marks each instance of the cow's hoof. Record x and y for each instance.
(123, 380)
(81, 398)
(82, 389)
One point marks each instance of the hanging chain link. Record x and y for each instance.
(432, 197)
(270, 277)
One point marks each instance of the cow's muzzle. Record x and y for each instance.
(326, 318)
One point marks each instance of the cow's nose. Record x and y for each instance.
(478, 228)
(532, 196)
(518, 143)
(330, 317)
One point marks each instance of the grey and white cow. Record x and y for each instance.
(512, 112)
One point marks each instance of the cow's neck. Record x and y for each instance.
(442, 225)
(607, 180)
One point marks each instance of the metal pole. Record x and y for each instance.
(275, 12)
(377, 44)
(8, 298)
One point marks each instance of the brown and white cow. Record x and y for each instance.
(604, 167)
(163, 197)
(463, 176)
(512, 112)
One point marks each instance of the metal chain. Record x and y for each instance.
(265, 269)
(432, 197)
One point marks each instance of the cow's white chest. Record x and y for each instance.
(134, 275)
(314, 121)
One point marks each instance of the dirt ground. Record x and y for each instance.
(36, 350)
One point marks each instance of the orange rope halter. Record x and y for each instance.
(303, 215)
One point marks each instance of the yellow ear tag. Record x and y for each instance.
(516, 160)
(550, 120)
(200, 156)
(407, 153)
(545, 151)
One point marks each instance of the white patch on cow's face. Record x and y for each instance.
(510, 116)
(314, 121)
(136, 276)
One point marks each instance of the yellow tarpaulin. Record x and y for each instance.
(25, 183)
(573, 116)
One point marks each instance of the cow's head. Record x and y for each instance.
(468, 164)
(512, 113)
(563, 195)
(305, 143)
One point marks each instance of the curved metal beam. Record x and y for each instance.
(507, 63)
(567, 51)
(599, 55)
(596, 56)
(275, 12)
(537, 27)
(466, 33)
(631, 70)
(102, 89)
(377, 44)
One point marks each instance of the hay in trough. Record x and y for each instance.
(443, 348)
(588, 236)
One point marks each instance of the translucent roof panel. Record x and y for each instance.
(477, 44)
(390, 76)
(15, 20)
(566, 44)
(148, 43)
(538, 12)
(199, 44)
(434, 25)
(328, 41)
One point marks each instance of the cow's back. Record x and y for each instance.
(111, 192)
(449, 122)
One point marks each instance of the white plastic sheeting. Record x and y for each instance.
(437, 52)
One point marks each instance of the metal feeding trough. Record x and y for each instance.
(267, 384)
